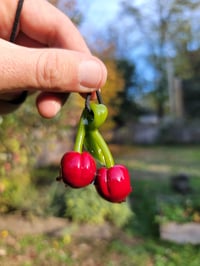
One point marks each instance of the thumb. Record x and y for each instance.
(46, 69)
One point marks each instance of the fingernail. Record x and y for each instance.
(90, 74)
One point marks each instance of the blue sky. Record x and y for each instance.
(98, 14)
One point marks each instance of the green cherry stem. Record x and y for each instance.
(104, 148)
(80, 136)
(92, 146)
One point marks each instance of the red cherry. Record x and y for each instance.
(77, 169)
(113, 184)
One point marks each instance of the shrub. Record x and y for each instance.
(85, 205)
(15, 181)
(179, 209)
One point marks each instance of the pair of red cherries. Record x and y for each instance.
(78, 168)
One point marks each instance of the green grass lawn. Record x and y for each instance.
(151, 169)
(138, 244)
(161, 162)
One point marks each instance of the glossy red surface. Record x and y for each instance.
(113, 184)
(78, 169)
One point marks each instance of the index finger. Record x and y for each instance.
(43, 22)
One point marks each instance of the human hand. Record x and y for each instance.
(49, 55)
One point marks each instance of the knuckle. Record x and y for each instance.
(48, 70)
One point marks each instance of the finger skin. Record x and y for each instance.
(56, 29)
(62, 34)
(52, 70)
(23, 40)
(49, 104)
(43, 23)
(55, 64)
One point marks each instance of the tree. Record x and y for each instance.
(114, 85)
(165, 26)
(127, 103)
(53, 2)
(71, 8)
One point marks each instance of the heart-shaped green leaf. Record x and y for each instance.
(96, 116)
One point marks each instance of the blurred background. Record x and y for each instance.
(152, 53)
